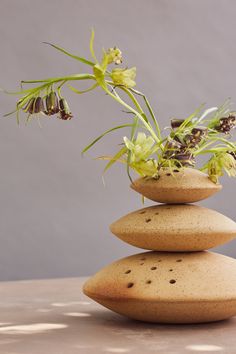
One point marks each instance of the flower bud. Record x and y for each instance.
(226, 124)
(65, 112)
(38, 105)
(52, 104)
(186, 159)
(199, 132)
(114, 55)
(176, 123)
(29, 107)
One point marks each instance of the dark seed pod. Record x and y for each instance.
(186, 159)
(38, 105)
(192, 140)
(199, 132)
(52, 104)
(173, 144)
(65, 113)
(29, 107)
(226, 124)
(175, 123)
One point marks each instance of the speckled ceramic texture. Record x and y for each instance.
(185, 186)
(175, 228)
(168, 287)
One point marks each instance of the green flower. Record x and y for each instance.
(141, 148)
(114, 55)
(146, 168)
(124, 77)
(219, 163)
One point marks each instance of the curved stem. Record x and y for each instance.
(147, 126)
(149, 109)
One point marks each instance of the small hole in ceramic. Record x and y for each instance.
(141, 263)
(153, 268)
(142, 259)
(159, 260)
(170, 270)
(172, 281)
(179, 260)
(148, 282)
(176, 171)
(148, 220)
(143, 212)
(168, 174)
(128, 271)
(168, 208)
(157, 213)
(130, 285)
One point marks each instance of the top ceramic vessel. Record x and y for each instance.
(184, 186)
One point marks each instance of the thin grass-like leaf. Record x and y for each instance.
(10, 113)
(115, 158)
(91, 45)
(105, 133)
(132, 136)
(81, 59)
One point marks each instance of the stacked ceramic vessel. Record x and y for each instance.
(178, 281)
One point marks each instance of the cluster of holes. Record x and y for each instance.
(172, 281)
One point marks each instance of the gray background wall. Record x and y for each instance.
(54, 210)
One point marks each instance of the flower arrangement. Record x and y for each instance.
(148, 148)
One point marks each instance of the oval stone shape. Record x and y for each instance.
(177, 186)
(167, 287)
(175, 228)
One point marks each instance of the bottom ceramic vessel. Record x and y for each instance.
(168, 287)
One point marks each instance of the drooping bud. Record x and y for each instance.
(29, 107)
(173, 147)
(191, 140)
(52, 104)
(226, 124)
(186, 159)
(38, 105)
(176, 123)
(65, 113)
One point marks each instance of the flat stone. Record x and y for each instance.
(175, 228)
(185, 186)
(168, 287)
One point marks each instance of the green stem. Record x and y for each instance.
(118, 99)
(149, 109)
(64, 78)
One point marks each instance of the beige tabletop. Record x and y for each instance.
(54, 317)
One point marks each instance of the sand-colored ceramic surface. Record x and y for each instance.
(168, 287)
(185, 186)
(175, 228)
